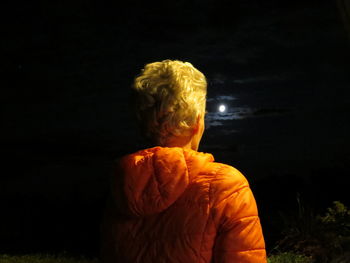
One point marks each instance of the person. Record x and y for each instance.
(171, 203)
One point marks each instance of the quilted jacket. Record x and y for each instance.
(177, 205)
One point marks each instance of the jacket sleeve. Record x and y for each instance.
(239, 234)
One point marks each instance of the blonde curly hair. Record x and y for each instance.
(169, 96)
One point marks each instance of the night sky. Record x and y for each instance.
(281, 70)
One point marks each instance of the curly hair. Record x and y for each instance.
(169, 96)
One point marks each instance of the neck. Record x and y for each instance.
(182, 142)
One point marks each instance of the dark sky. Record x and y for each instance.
(280, 69)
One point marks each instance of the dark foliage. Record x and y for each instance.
(325, 238)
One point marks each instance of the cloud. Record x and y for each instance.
(225, 97)
(221, 98)
(234, 114)
(229, 117)
(214, 119)
(262, 78)
(218, 79)
(209, 124)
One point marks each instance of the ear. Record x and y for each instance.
(196, 127)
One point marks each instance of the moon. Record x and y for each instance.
(222, 108)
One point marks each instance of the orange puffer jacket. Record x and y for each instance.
(176, 205)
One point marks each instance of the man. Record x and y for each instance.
(171, 203)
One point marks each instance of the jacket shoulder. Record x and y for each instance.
(225, 181)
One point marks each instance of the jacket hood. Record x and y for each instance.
(149, 181)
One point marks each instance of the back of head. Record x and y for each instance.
(169, 97)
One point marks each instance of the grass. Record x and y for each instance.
(281, 258)
(38, 258)
(288, 257)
